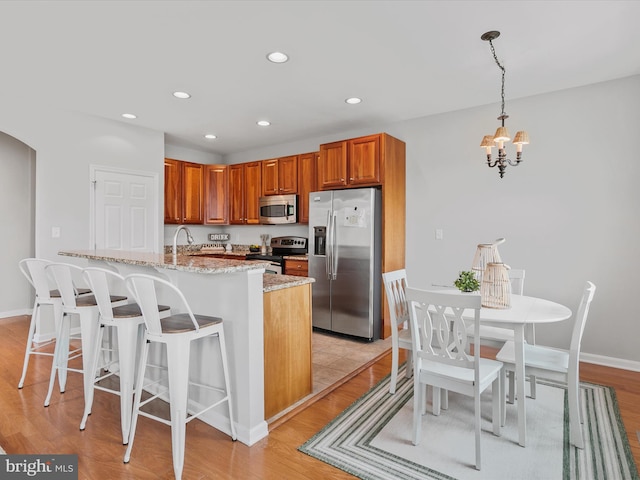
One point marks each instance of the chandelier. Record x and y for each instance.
(502, 135)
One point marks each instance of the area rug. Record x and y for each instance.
(372, 438)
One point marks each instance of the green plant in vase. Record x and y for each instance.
(467, 282)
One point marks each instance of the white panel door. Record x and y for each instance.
(125, 210)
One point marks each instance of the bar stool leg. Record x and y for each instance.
(227, 384)
(142, 362)
(178, 366)
(89, 331)
(128, 334)
(60, 358)
(88, 401)
(27, 353)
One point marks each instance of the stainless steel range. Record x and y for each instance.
(281, 247)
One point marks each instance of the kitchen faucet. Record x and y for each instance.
(175, 238)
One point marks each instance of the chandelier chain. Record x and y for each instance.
(495, 57)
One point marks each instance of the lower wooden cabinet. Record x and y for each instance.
(287, 348)
(298, 268)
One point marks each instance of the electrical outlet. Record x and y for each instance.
(55, 232)
(439, 234)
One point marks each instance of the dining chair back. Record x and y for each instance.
(441, 358)
(557, 365)
(395, 283)
(176, 332)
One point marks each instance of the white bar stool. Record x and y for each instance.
(86, 308)
(34, 271)
(176, 332)
(128, 323)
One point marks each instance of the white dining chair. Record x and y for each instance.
(440, 358)
(558, 365)
(395, 284)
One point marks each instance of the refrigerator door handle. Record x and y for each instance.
(329, 248)
(334, 249)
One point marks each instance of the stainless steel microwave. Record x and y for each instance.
(279, 209)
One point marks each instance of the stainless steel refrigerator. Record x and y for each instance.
(345, 260)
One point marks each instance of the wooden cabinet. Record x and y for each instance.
(280, 176)
(299, 268)
(244, 193)
(287, 347)
(350, 163)
(183, 192)
(172, 191)
(216, 205)
(307, 182)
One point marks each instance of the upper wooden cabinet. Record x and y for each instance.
(183, 192)
(350, 163)
(307, 182)
(244, 193)
(216, 205)
(280, 176)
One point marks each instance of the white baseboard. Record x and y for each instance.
(15, 313)
(610, 362)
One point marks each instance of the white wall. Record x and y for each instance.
(17, 200)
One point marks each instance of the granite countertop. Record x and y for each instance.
(191, 263)
(302, 258)
(278, 282)
(187, 263)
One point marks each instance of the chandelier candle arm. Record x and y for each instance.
(502, 134)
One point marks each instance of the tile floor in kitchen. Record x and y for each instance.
(334, 357)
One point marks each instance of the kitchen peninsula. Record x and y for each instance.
(235, 291)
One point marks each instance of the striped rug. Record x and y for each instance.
(372, 438)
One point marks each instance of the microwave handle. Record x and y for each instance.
(286, 211)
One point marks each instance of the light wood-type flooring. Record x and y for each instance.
(27, 427)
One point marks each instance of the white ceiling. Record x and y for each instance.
(405, 59)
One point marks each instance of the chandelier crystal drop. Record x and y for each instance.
(502, 134)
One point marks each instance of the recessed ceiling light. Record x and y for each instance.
(210, 136)
(129, 115)
(181, 95)
(263, 123)
(277, 57)
(353, 100)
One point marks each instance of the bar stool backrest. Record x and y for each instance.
(62, 273)
(143, 289)
(34, 270)
(99, 281)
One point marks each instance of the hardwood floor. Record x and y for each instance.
(27, 427)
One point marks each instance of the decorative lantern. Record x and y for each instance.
(495, 289)
(485, 254)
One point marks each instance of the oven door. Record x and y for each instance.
(274, 269)
(275, 266)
